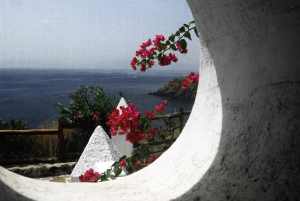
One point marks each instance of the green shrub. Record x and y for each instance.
(12, 125)
(89, 107)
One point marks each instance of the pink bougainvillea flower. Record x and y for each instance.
(150, 115)
(165, 60)
(186, 83)
(133, 63)
(122, 163)
(192, 78)
(151, 158)
(146, 44)
(161, 106)
(127, 121)
(158, 39)
(78, 115)
(135, 137)
(180, 49)
(151, 133)
(90, 176)
(143, 67)
(173, 57)
(96, 116)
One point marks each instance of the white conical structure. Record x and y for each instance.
(124, 147)
(98, 154)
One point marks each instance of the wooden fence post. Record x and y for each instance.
(61, 141)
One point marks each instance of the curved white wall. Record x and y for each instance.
(247, 97)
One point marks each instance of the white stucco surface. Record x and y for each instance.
(241, 141)
(124, 147)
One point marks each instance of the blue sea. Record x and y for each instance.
(32, 95)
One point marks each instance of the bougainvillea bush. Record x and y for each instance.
(136, 126)
(89, 107)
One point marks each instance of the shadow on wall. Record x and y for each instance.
(258, 157)
(10, 194)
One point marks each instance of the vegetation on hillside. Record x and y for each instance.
(12, 125)
(173, 90)
(89, 107)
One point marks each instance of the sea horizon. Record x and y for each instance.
(32, 94)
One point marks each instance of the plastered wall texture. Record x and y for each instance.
(241, 141)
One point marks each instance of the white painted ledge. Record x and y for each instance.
(255, 47)
(171, 175)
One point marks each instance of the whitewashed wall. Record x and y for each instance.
(242, 139)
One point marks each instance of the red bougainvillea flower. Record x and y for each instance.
(173, 57)
(192, 78)
(151, 158)
(186, 83)
(96, 116)
(113, 121)
(151, 133)
(158, 39)
(133, 63)
(180, 49)
(150, 115)
(161, 106)
(143, 67)
(78, 115)
(122, 163)
(146, 44)
(167, 59)
(90, 176)
(128, 121)
(135, 137)
(137, 164)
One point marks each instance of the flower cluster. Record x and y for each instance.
(191, 79)
(139, 164)
(90, 176)
(123, 120)
(145, 56)
(130, 122)
(161, 48)
(159, 108)
(128, 165)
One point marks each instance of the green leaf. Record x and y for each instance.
(172, 38)
(173, 47)
(182, 29)
(104, 177)
(177, 33)
(187, 26)
(196, 32)
(187, 35)
(159, 56)
(123, 157)
(183, 43)
(117, 170)
(192, 22)
(108, 172)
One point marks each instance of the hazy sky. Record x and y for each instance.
(85, 33)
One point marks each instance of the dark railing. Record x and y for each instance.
(61, 154)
